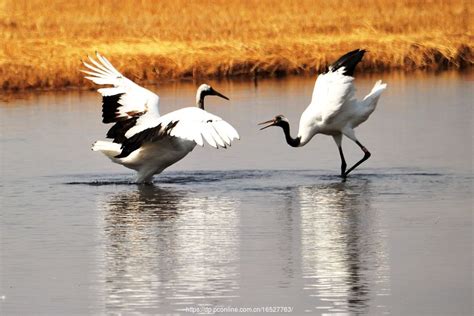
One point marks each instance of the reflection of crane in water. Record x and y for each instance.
(163, 247)
(343, 251)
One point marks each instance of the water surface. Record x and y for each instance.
(258, 225)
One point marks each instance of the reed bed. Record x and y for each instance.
(42, 43)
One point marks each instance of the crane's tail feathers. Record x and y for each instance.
(377, 90)
(379, 86)
(107, 148)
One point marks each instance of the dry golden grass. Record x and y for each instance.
(42, 42)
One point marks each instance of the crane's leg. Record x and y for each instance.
(350, 134)
(338, 140)
(144, 176)
(366, 156)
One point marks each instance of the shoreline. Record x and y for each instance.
(389, 76)
(147, 70)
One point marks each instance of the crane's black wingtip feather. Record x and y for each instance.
(349, 61)
(110, 105)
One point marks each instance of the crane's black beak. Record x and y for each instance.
(214, 92)
(270, 123)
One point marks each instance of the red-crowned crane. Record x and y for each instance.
(333, 109)
(142, 139)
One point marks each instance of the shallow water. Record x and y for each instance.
(259, 225)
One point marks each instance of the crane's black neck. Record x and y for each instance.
(200, 103)
(293, 142)
(200, 99)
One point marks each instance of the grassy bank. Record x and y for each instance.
(42, 43)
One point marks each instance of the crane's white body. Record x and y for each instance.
(334, 110)
(149, 159)
(193, 127)
(157, 141)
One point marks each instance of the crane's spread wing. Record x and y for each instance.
(334, 87)
(125, 103)
(191, 124)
